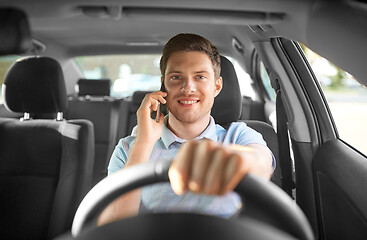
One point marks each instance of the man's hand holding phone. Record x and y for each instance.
(150, 130)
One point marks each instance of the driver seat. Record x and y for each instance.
(227, 108)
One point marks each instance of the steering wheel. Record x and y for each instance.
(269, 213)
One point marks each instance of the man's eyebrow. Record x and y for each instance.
(203, 71)
(173, 71)
(196, 72)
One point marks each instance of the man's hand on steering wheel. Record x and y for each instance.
(211, 168)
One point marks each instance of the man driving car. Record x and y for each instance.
(208, 160)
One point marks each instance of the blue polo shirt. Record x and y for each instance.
(160, 197)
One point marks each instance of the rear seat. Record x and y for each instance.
(93, 102)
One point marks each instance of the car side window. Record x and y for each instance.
(266, 82)
(244, 79)
(5, 63)
(346, 97)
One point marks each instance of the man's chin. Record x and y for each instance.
(187, 117)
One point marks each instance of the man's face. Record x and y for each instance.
(191, 85)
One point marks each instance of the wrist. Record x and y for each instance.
(144, 141)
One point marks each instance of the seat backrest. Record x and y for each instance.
(45, 164)
(227, 109)
(95, 104)
(94, 87)
(252, 110)
(228, 104)
(271, 139)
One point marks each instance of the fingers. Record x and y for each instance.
(180, 169)
(151, 103)
(198, 168)
(213, 180)
(233, 173)
(149, 130)
(205, 167)
(152, 100)
(158, 96)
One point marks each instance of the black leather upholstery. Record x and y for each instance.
(35, 85)
(45, 165)
(94, 87)
(228, 104)
(103, 111)
(15, 34)
(271, 139)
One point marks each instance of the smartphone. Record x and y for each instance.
(161, 107)
(158, 114)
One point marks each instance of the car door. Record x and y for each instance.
(340, 163)
(329, 172)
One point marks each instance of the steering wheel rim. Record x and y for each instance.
(264, 200)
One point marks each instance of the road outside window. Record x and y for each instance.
(347, 100)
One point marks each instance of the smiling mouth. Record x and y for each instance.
(189, 102)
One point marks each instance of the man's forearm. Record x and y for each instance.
(128, 204)
(260, 154)
(139, 153)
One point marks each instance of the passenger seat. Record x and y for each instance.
(45, 164)
(93, 102)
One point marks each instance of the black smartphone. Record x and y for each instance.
(162, 107)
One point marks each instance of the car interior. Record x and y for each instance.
(61, 115)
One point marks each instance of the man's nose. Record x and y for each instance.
(188, 86)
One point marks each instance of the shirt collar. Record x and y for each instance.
(168, 137)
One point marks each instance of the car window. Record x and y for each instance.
(5, 63)
(128, 73)
(244, 79)
(138, 72)
(266, 82)
(346, 97)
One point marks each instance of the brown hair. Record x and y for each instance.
(191, 43)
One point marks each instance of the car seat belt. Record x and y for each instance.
(284, 155)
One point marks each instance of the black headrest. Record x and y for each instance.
(35, 85)
(228, 104)
(15, 36)
(138, 97)
(94, 87)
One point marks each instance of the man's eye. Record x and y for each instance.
(201, 77)
(175, 77)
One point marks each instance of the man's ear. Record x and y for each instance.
(218, 86)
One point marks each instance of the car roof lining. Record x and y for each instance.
(311, 22)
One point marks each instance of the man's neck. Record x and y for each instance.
(187, 131)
